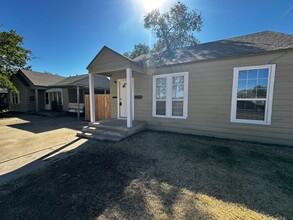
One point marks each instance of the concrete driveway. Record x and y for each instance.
(28, 142)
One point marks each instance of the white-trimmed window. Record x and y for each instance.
(14, 98)
(253, 94)
(170, 95)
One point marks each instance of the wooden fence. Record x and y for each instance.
(103, 107)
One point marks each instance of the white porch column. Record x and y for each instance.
(37, 99)
(129, 96)
(77, 97)
(92, 97)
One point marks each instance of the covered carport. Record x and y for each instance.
(76, 87)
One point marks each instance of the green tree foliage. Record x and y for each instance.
(175, 28)
(12, 57)
(138, 50)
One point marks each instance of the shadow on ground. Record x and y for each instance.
(41, 161)
(158, 175)
(39, 124)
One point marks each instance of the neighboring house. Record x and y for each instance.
(44, 91)
(3, 99)
(237, 88)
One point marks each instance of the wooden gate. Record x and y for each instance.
(103, 107)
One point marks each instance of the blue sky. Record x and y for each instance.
(64, 35)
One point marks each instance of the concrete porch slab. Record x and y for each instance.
(111, 130)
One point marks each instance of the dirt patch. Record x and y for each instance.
(158, 175)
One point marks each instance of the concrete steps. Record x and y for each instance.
(110, 130)
(100, 137)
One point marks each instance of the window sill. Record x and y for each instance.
(253, 122)
(170, 117)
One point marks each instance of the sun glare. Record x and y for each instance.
(150, 5)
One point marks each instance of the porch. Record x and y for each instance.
(111, 130)
(121, 70)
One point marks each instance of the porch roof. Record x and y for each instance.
(101, 82)
(108, 61)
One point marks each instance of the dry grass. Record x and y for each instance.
(158, 175)
(188, 204)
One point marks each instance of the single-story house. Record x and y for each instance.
(237, 88)
(45, 91)
(3, 99)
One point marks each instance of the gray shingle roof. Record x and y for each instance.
(100, 81)
(50, 80)
(70, 80)
(41, 79)
(248, 44)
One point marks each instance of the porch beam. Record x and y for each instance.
(129, 96)
(92, 97)
(37, 99)
(78, 106)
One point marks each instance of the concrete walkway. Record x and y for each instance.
(28, 142)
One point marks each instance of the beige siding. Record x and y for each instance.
(65, 99)
(209, 102)
(41, 94)
(108, 61)
(113, 91)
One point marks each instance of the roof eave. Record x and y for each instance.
(222, 58)
(25, 77)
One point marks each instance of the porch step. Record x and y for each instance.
(100, 137)
(105, 131)
(111, 130)
(102, 126)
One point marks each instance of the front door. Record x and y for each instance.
(122, 98)
(53, 100)
(56, 101)
(47, 101)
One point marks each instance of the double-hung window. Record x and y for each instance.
(253, 94)
(14, 98)
(170, 95)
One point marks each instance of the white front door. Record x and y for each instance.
(122, 98)
(53, 99)
(47, 101)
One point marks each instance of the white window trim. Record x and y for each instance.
(269, 99)
(11, 98)
(169, 95)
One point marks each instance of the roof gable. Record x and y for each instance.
(108, 60)
(40, 79)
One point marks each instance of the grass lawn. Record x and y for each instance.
(158, 175)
